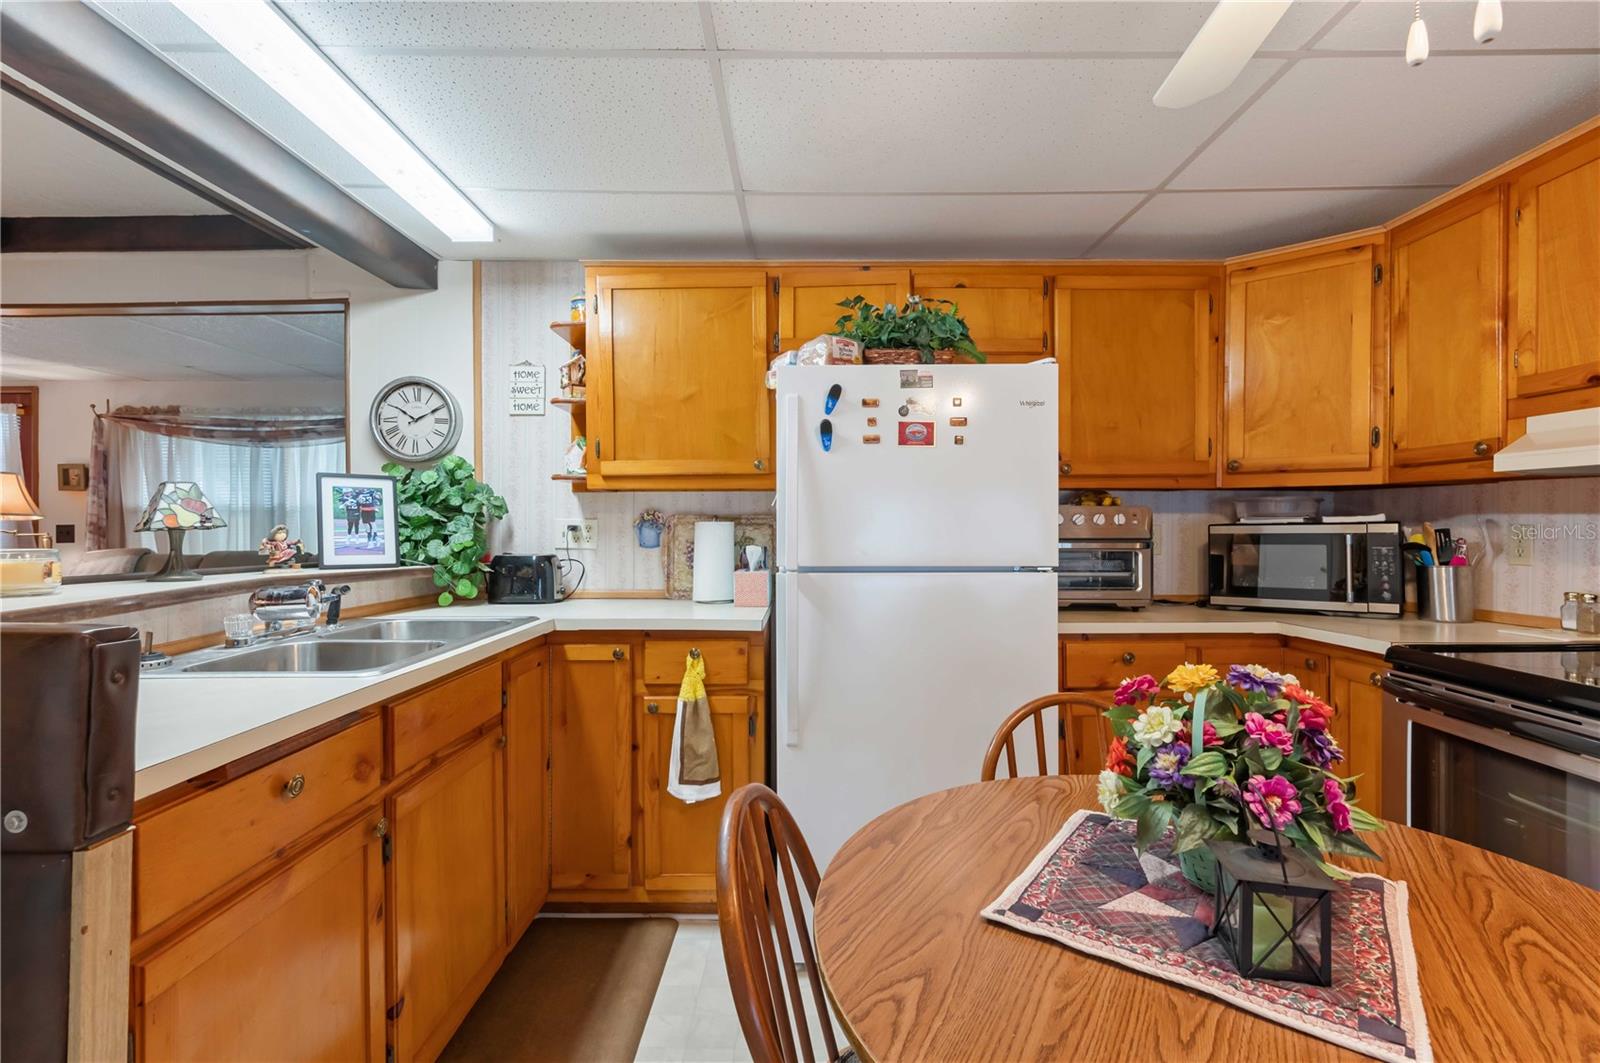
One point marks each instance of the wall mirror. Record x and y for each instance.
(102, 405)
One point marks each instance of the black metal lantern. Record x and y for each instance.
(1274, 910)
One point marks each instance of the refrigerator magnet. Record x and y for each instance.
(916, 378)
(916, 433)
(825, 433)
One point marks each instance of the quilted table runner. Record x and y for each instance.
(1089, 890)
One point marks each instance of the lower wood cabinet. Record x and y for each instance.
(1358, 725)
(680, 840)
(527, 711)
(591, 765)
(293, 969)
(448, 870)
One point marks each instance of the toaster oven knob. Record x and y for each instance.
(1077, 518)
(1119, 518)
(1099, 518)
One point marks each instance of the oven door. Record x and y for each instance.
(1101, 571)
(1534, 799)
(1306, 566)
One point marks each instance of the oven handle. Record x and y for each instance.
(1421, 710)
(1349, 567)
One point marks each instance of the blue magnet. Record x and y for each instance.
(833, 398)
(825, 430)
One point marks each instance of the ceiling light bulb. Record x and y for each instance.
(263, 39)
(1487, 21)
(1417, 40)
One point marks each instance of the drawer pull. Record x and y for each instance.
(1234, 466)
(652, 707)
(1375, 679)
(1311, 664)
(295, 786)
(1128, 658)
(761, 465)
(1066, 468)
(694, 651)
(617, 654)
(1480, 448)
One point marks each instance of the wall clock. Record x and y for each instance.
(415, 420)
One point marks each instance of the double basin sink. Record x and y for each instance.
(361, 647)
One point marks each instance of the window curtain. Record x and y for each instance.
(11, 456)
(258, 467)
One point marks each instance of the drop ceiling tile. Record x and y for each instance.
(1382, 25)
(1220, 224)
(49, 169)
(1376, 121)
(964, 125)
(571, 225)
(157, 21)
(520, 122)
(526, 24)
(1059, 226)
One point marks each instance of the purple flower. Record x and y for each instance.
(1338, 810)
(1134, 690)
(1319, 748)
(1268, 733)
(1255, 678)
(1166, 767)
(1274, 800)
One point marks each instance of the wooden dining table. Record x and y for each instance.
(1508, 956)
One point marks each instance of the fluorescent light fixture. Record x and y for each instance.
(261, 38)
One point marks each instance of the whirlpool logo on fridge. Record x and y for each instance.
(1030, 404)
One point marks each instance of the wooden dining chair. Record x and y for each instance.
(1004, 740)
(762, 865)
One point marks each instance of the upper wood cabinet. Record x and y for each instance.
(677, 379)
(1006, 312)
(1555, 280)
(1138, 355)
(1303, 396)
(591, 759)
(808, 299)
(1447, 403)
(527, 709)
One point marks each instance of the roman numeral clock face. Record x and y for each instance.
(415, 420)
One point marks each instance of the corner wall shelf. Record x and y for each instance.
(570, 331)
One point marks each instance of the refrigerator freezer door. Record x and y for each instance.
(929, 466)
(890, 685)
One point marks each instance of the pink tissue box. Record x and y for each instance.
(752, 588)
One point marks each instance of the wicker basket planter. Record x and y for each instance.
(903, 356)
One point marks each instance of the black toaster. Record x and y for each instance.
(523, 578)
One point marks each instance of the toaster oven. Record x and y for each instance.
(1103, 556)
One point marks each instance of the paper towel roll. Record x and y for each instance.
(713, 561)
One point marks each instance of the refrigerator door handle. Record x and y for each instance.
(789, 483)
(790, 703)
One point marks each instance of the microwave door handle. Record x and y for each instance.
(1350, 567)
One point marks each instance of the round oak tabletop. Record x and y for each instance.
(1508, 956)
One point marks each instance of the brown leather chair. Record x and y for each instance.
(67, 699)
(1035, 711)
(762, 864)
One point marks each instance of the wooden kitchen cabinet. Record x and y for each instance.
(680, 840)
(1305, 367)
(676, 379)
(1358, 724)
(1004, 311)
(1447, 403)
(1089, 733)
(1224, 650)
(292, 969)
(449, 894)
(808, 299)
(591, 762)
(1554, 275)
(1138, 355)
(527, 708)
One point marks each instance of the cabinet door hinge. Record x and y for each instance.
(776, 343)
(131, 1054)
(1516, 215)
(1377, 436)
(1211, 304)
(394, 1012)
(594, 302)
(388, 848)
(1044, 342)
(504, 699)
(752, 725)
(1377, 274)
(1516, 359)
(1208, 448)
(388, 1053)
(1046, 283)
(774, 286)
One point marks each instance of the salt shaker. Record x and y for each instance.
(1589, 614)
(1570, 604)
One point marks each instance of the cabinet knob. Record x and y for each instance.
(1233, 465)
(1480, 448)
(502, 740)
(381, 828)
(761, 465)
(652, 707)
(617, 654)
(1311, 664)
(1128, 658)
(1375, 679)
(1066, 468)
(295, 786)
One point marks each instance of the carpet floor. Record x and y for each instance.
(572, 989)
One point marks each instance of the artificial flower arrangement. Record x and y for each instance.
(1264, 758)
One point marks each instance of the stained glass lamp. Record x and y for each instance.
(177, 508)
(25, 569)
(1274, 910)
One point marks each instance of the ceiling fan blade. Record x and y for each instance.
(1230, 36)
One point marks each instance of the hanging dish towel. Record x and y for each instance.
(693, 774)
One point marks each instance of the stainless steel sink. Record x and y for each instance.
(444, 630)
(318, 655)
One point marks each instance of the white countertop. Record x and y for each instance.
(1367, 634)
(192, 723)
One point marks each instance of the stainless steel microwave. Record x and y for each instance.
(1315, 568)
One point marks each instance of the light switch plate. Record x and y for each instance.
(581, 534)
(1519, 550)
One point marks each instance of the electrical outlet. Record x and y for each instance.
(582, 534)
(1519, 550)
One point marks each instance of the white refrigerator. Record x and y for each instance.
(916, 587)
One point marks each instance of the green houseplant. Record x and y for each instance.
(444, 521)
(923, 326)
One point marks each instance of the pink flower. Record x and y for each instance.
(1268, 733)
(1208, 734)
(1338, 810)
(1274, 800)
(1135, 690)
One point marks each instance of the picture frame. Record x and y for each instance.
(356, 521)
(72, 477)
